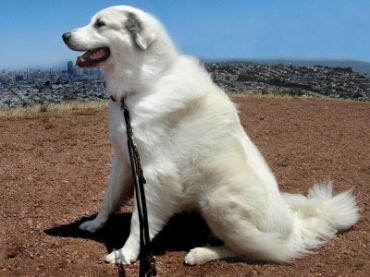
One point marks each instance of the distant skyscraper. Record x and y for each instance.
(70, 68)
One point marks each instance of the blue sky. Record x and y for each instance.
(31, 30)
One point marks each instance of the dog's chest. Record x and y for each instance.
(146, 135)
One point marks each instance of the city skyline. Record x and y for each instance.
(65, 66)
(31, 87)
(211, 30)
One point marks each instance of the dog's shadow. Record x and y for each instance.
(182, 233)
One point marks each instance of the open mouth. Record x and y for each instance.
(94, 57)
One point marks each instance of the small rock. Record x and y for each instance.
(30, 222)
(12, 251)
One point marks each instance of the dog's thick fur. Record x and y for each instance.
(195, 153)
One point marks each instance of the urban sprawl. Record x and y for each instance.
(34, 86)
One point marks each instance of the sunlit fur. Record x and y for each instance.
(196, 155)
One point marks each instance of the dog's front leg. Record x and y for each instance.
(130, 251)
(120, 188)
(162, 203)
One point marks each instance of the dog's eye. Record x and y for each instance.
(99, 23)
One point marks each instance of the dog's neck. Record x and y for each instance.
(136, 75)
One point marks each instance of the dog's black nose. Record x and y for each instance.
(67, 36)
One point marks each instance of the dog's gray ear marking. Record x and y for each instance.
(139, 36)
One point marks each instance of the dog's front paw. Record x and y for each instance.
(91, 225)
(121, 257)
(198, 256)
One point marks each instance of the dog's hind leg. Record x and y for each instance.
(202, 255)
(247, 227)
(120, 188)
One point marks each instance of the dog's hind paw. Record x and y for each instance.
(202, 255)
(198, 256)
(120, 257)
(91, 225)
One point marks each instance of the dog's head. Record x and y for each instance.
(113, 36)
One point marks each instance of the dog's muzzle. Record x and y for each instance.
(92, 57)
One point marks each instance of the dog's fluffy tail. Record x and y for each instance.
(314, 220)
(317, 218)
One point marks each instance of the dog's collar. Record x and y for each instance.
(117, 99)
(113, 98)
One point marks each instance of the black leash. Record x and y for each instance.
(147, 262)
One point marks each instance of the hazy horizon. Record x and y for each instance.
(212, 30)
(293, 61)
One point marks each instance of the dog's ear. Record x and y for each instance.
(142, 38)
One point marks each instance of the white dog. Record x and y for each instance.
(195, 153)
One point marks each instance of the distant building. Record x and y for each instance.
(70, 68)
(19, 78)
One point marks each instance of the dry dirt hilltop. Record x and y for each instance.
(54, 168)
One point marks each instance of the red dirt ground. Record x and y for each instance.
(54, 170)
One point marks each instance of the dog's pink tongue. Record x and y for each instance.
(97, 54)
